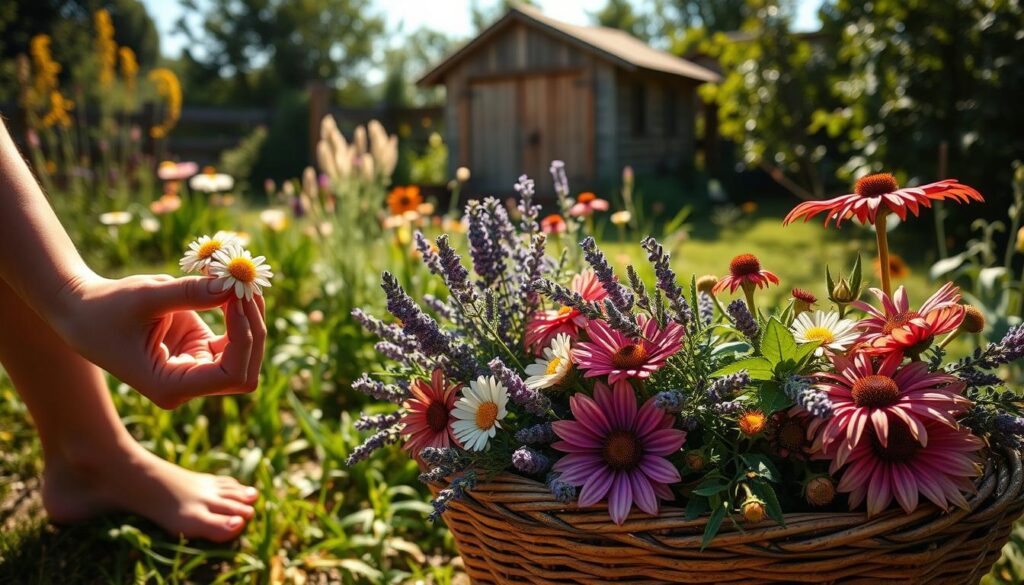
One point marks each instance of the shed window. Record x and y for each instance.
(671, 113)
(639, 110)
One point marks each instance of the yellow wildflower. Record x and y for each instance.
(168, 87)
(106, 47)
(59, 108)
(129, 66)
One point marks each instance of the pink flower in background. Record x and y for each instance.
(745, 269)
(553, 224)
(896, 328)
(610, 353)
(173, 171)
(905, 469)
(546, 325)
(428, 413)
(618, 451)
(586, 204)
(867, 400)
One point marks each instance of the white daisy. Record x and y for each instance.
(835, 334)
(115, 218)
(235, 267)
(200, 252)
(479, 411)
(552, 369)
(210, 181)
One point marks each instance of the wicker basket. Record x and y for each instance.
(511, 531)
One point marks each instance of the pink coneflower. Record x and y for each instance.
(896, 328)
(586, 204)
(905, 468)
(546, 325)
(428, 413)
(176, 171)
(616, 450)
(745, 270)
(610, 353)
(553, 224)
(864, 396)
(881, 192)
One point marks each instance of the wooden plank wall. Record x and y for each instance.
(655, 149)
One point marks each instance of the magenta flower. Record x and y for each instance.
(896, 328)
(864, 396)
(545, 326)
(905, 468)
(610, 353)
(617, 451)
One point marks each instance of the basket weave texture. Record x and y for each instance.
(510, 530)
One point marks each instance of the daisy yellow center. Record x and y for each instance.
(207, 249)
(901, 445)
(744, 265)
(875, 185)
(899, 320)
(622, 451)
(819, 333)
(242, 270)
(437, 417)
(486, 415)
(553, 366)
(875, 391)
(564, 311)
(630, 356)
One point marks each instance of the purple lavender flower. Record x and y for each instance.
(376, 441)
(706, 308)
(529, 461)
(539, 434)
(727, 386)
(385, 331)
(533, 270)
(1008, 423)
(567, 297)
(802, 391)
(975, 378)
(439, 307)
(742, 319)
(562, 491)
(623, 323)
(666, 280)
(379, 390)
(487, 253)
(527, 210)
(618, 294)
(429, 255)
(669, 400)
(1011, 347)
(531, 400)
(377, 422)
(455, 275)
(730, 408)
(559, 178)
(639, 289)
(455, 491)
(449, 457)
(398, 353)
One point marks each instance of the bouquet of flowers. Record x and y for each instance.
(622, 393)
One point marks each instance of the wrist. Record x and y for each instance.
(63, 306)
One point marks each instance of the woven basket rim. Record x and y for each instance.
(1002, 479)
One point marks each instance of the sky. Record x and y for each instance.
(450, 16)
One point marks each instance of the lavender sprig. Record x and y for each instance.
(669, 400)
(488, 254)
(539, 434)
(618, 294)
(429, 255)
(455, 491)
(377, 422)
(376, 441)
(385, 331)
(527, 210)
(666, 280)
(727, 386)
(455, 275)
(620, 322)
(529, 461)
(639, 289)
(567, 297)
(730, 408)
(742, 319)
(562, 491)
(706, 308)
(532, 401)
(814, 400)
(379, 390)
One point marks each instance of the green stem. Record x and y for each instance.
(748, 291)
(883, 252)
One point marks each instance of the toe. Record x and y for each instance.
(218, 527)
(239, 493)
(231, 507)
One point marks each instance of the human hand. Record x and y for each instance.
(144, 330)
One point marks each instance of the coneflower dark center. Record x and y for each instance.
(875, 391)
(875, 185)
(901, 445)
(622, 451)
(744, 265)
(437, 417)
(630, 356)
(792, 435)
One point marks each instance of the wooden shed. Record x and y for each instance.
(530, 89)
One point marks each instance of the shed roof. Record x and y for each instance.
(617, 46)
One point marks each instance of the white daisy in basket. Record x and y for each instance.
(200, 252)
(478, 413)
(554, 367)
(834, 334)
(235, 268)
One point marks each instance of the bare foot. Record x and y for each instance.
(131, 479)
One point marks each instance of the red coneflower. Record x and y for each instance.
(428, 413)
(802, 300)
(745, 272)
(553, 224)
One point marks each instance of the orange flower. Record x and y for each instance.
(403, 199)
(752, 422)
(553, 224)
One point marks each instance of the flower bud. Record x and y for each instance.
(802, 300)
(820, 490)
(706, 283)
(753, 509)
(695, 459)
(974, 320)
(842, 294)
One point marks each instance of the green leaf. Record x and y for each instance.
(762, 465)
(777, 342)
(766, 492)
(714, 523)
(803, 351)
(695, 507)
(771, 399)
(711, 486)
(757, 367)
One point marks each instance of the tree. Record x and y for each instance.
(622, 15)
(262, 46)
(773, 83)
(483, 18)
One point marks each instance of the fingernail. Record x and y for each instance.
(211, 286)
(250, 491)
(234, 522)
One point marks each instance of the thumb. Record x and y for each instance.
(195, 293)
